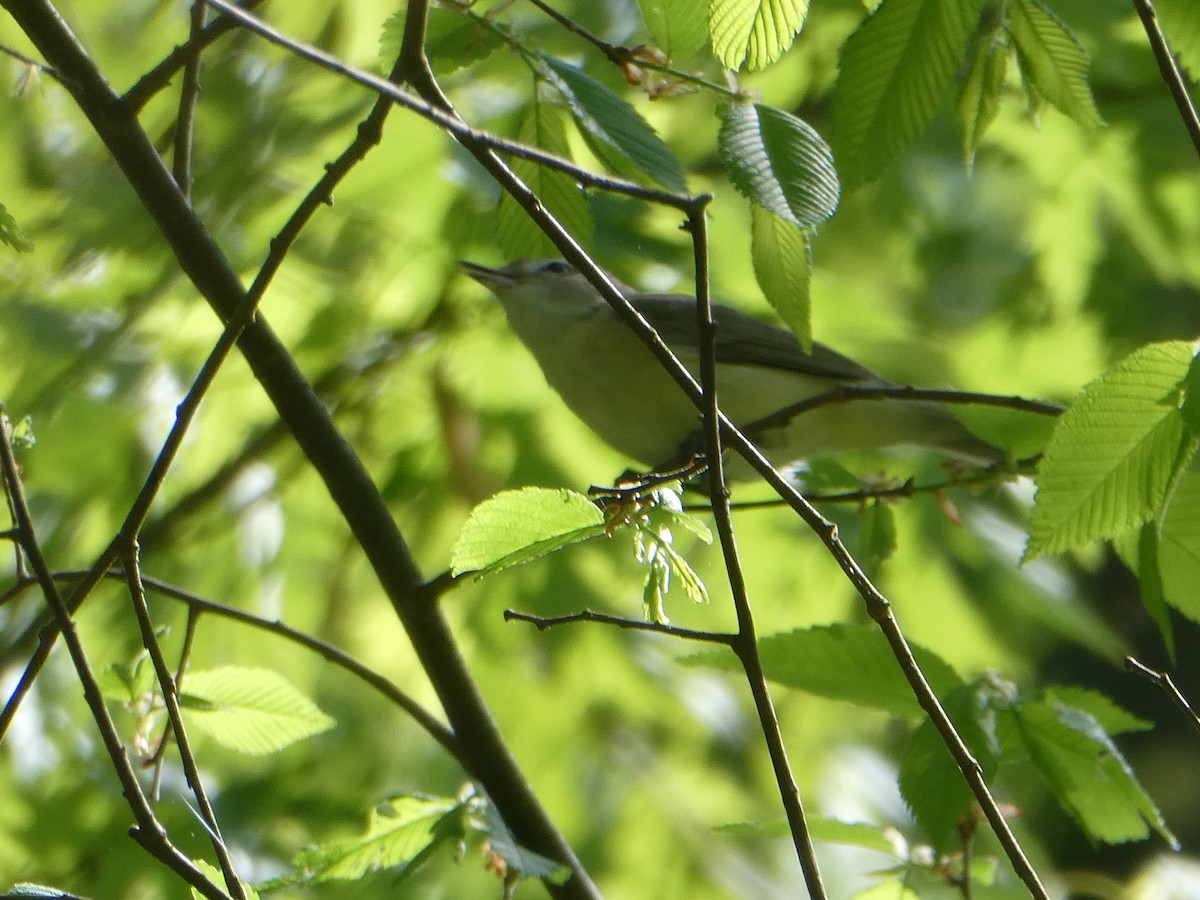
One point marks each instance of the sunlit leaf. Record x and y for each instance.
(1113, 453)
(877, 539)
(1150, 584)
(820, 828)
(253, 711)
(1190, 408)
(1018, 433)
(615, 127)
(844, 662)
(519, 858)
(1052, 60)
(400, 834)
(930, 780)
(518, 235)
(212, 873)
(779, 162)
(518, 526)
(1179, 546)
(1087, 773)
(782, 253)
(896, 71)
(754, 32)
(678, 26)
(979, 96)
(452, 40)
(127, 682)
(1111, 717)
(10, 232)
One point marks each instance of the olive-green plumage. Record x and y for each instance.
(615, 385)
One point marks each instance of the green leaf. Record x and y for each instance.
(897, 69)
(930, 780)
(782, 252)
(1052, 60)
(676, 518)
(128, 682)
(878, 537)
(825, 830)
(213, 874)
(754, 32)
(516, 233)
(10, 232)
(616, 129)
(779, 162)
(1018, 433)
(1181, 23)
(1179, 545)
(254, 711)
(452, 39)
(979, 96)
(518, 526)
(677, 26)
(401, 833)
(1190, 409)
(1113, 453)
(1111, 717)
(1087, 773)
(1150, 586)
(517, 857)
(844, 662)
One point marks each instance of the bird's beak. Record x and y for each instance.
(489, 278)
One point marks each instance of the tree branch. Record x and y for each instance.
(746, 643)
(1169, 70)
(343, 473)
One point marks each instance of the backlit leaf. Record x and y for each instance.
(1113, 452)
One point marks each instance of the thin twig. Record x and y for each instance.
(451, 123)
(30, 62)
(160, 76)
(166, 683)
(181, 664)
(1169, 69)
(1164, 681)
(341, 470)
(149, 832)
(185, 414)
(189, 96)
(746, 643)
(850, 393)
(617, 55)
(877, 605)
(587, 615)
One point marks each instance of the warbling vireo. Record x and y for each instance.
(615, 385)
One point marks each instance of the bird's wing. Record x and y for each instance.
(748, 341)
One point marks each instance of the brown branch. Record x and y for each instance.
(586, 615)
(745, 644)
(160, 76)
(1164, 681)
(189, 96)
(1169, 69)
(346, 478)
(850, 393)
(463, 132)
(619, 56)
(148, 831)
(166, 683)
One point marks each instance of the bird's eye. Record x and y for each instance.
(557, 267)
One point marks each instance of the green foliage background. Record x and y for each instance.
(1064, 247)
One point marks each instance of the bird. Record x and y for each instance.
(614, 384)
